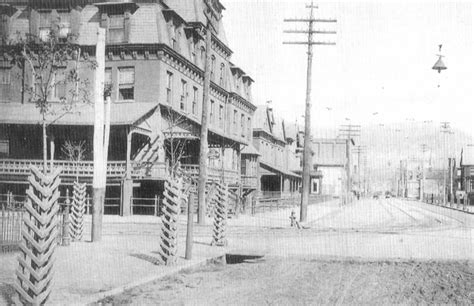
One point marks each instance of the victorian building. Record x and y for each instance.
(279, 169)
(155, 53)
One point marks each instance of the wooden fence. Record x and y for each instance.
(463, 204)
(10, 225)
(272, 204)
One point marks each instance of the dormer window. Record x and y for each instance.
(116, 29)
(192, 47)
(173, 38)
(54, 20)
(116, 19)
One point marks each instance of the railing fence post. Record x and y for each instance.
(156, 205)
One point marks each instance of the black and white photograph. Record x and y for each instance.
(236, 152)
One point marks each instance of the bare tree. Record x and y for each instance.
(52, 65)
(175, 146)
(75, 152)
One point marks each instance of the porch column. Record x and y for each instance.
(127, 188)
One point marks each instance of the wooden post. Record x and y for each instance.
(173, 197)
(66, 236)
(34, 274)
(156, 205)
(204, 130)
(100, 164)
(189, 228)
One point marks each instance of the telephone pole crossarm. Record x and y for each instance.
(312, 32)
(328, 43)
(309, 20)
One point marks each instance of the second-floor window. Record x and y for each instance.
(59, 87)
(116, 33)
(184, 95)
(108, 80)
(195, 99)
(212, 113)
(242, 125)
(169, 87)
(52, 88)
(126, 83)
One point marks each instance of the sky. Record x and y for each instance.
(380, 70)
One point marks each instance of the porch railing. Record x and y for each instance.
(230, 176)
(81, 169)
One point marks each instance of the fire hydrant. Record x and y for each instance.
(293, 221)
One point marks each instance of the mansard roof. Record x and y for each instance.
(193, 11)
(272, 126)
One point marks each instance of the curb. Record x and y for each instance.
(93, 299)
(452, 208)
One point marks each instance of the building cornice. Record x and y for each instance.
(242, 101)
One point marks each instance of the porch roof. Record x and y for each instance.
(270, 169)
(120, 114)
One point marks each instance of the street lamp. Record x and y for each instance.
(439, 66)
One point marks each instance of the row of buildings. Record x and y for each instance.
(456, 180)
(155, 56)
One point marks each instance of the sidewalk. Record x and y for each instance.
(86, 272)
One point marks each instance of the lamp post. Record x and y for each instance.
(439, 66)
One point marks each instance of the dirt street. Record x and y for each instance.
(311, 281)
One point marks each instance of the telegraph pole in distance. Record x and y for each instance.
(307, 135)
(212, 17)
(424, 148)
(348, 131)
(445, 129)
(359, 150)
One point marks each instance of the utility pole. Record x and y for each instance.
(213, 17)
(360, 149)
(310, 32)
(424, 148)
(348, 131)
(101, 139)
(445, 129)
